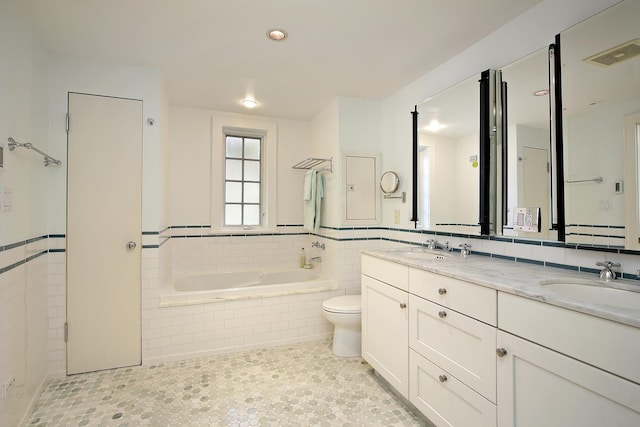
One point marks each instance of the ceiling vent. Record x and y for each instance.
(617, 54)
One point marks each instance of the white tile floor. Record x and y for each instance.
(294, 385)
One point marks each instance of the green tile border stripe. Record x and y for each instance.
(347, 239)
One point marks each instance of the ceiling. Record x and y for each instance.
(214, 53)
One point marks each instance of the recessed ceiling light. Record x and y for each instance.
(541, 92)
(277, 34)
(249, 103)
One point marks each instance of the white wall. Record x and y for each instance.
(595, 147)
(23, 288)
(325, 143)
(191, 170)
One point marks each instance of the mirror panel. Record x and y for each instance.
(528, 142)
(598, 98)
(448, 160)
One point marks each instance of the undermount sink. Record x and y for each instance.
(422, 255)
(618, 294)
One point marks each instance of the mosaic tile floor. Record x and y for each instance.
(294, 385)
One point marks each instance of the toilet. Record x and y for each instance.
(345, 312)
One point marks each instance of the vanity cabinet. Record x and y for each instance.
(452, 338)
(539, 385)
(469, 355)
(385, 320)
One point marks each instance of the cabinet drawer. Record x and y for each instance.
(386, 271)
(463, 346)
(473, 300)
(608, 345)
(445, 400)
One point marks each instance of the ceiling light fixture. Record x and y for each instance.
(434, 126)
(249, 103)
(277, 34)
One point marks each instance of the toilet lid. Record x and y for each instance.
(343, 304)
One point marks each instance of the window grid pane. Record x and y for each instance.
(243, 186)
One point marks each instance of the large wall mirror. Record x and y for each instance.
(448, 160)
(601, 101)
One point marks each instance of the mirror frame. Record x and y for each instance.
(395, 183)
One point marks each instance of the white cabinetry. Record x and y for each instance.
(468, 355)
(452, 364)
(385, 321)
(541, 386)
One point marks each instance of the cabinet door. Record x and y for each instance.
(539, 387)
(385, 336)
(444, 400)
(459, 344)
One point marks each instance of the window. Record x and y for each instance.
(242, 181)
(243, 174)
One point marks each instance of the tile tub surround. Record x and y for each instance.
(520, 279)
(296, 385)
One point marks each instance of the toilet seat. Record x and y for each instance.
(345, 304)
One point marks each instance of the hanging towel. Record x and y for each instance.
(319, 196)
(309, 198)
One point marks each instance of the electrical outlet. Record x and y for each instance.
(8, 385)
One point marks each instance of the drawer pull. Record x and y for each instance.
(442, 314)
(442, 291)
(501, 352)
(442, 378)
(403, 305)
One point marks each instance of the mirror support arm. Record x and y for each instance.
(557, 150)
(414, 208)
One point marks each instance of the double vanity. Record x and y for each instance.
(475, 341)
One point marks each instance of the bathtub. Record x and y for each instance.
(218, 287)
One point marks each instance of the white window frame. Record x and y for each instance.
(221, 126)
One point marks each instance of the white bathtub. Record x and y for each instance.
(216, 287)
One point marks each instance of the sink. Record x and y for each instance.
(618, 294)
(421, 255)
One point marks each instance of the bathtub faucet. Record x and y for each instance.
(317, 245)
(316, 259)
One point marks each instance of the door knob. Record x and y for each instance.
(131, 245)
(442, 314)
(442, 378)
(403, 305)
(501, 352)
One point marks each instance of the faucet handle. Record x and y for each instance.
(608, 264)
(465, 249)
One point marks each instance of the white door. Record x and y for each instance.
(535, 191)
(104, 167)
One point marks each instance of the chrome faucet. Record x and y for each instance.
(433, 244)
(465, 249)
(607, 274)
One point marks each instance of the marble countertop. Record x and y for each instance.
(517, 278)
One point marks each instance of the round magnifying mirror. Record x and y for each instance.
(389, 182)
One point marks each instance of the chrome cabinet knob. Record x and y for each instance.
(403, 305)
(442, 291)
(442, 314)
(501, 352)
(131, 245)
(442, 378)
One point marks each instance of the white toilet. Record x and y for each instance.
(345, 312)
